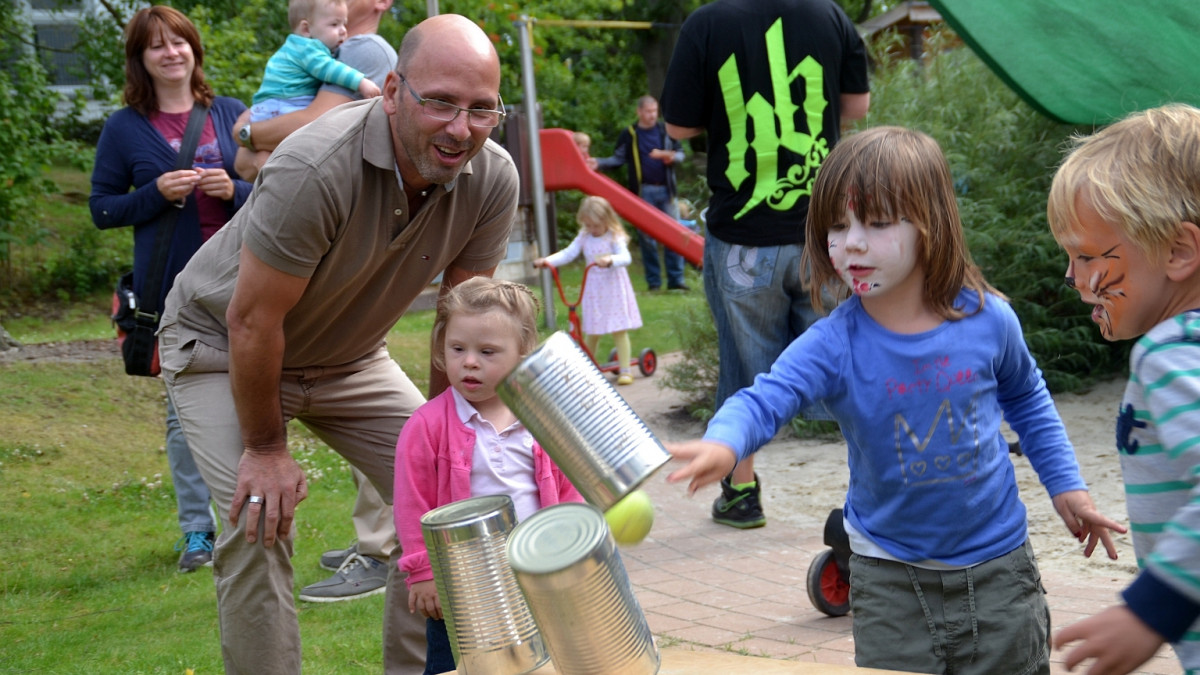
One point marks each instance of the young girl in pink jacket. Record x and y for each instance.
(465, 442)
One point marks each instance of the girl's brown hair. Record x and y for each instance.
(140, 33)
(885, 174)
(480, 295)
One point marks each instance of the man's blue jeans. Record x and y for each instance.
(660, 198)
(757, 304)
(192, 499)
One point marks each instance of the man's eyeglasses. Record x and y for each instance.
(448, 112)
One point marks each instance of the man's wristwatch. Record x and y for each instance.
(244, 137)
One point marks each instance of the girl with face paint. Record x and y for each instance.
(919, 365)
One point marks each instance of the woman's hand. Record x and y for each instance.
(175, 186)
(215, 183)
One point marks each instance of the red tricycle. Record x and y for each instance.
(647, 360)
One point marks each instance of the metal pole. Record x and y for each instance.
(431, 8)
(535, 165)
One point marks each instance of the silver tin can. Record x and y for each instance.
(581, 421)
(575, 583)
(492, 631)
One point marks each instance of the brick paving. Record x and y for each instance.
(708, 587)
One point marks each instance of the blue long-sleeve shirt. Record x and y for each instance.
(131, 153)
(930, 476)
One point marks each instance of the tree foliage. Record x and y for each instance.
(27, 137)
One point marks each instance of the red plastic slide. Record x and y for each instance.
(564, 168)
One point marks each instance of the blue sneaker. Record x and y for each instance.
(197, 550)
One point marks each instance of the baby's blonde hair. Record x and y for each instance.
(582, 141)
(480, 295)
(1141, 175)
(598, 209)
(299, 10)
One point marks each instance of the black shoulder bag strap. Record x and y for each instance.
(148, 309)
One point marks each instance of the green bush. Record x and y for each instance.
(26, 105)
(1003, 155)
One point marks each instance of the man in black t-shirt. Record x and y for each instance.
(771, 82)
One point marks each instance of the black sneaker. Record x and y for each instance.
(197, 550)
(739, 508)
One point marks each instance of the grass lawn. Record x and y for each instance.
(87, 566)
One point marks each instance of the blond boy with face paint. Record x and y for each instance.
(1125, 206)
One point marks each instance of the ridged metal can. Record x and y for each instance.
(571, 573)
(581, 421)
(492, 631)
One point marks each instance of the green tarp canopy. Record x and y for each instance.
(1086, 61)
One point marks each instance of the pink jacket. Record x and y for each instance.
(433, 468)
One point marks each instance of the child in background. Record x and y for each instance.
(584, 143)
(1125, 205)
(687, 215)
(609, 304)
(296, 71)
(919, 366)
(465, 442)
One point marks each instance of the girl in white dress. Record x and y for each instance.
(608, 304)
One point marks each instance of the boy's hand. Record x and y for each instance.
(423, 598)
(708, 462)
(1085, 522)
(368, 89)
(1116, 638)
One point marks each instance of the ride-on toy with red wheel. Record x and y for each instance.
(829, 572)
(647, 360)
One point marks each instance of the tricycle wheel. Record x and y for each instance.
(827, 590)
(612, 357)
(647, 362)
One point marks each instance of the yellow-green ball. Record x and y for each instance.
(631, 518)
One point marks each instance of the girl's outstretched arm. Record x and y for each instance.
(1076, 509)
(707, 462)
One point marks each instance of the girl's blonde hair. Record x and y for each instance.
(885, 174)
(480, 295)
(598, 209)
(1141, 174)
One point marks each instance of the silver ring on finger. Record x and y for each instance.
(255, 499)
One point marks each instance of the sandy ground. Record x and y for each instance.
(804, 479)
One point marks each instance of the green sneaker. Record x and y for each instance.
(739, 508)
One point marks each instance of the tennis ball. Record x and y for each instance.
(631, 518)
